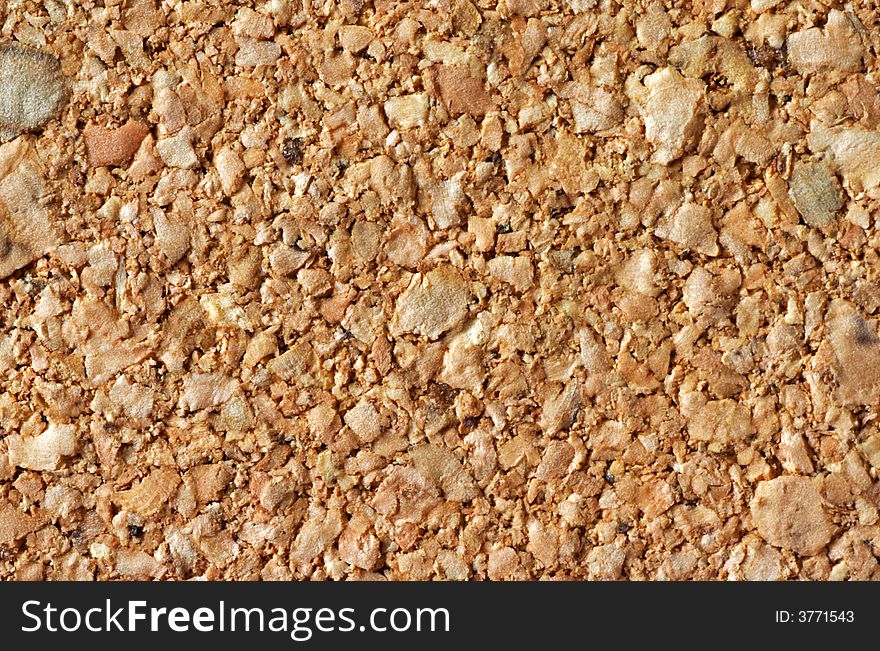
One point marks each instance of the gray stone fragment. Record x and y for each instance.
(815, 192)
(32, 89)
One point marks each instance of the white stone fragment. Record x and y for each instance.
(230, 169)
(788, 513)
(44, 451)
(432, 304)
(177, 151)
(252, 53)
(670, 112)
(836, 47)
(691, 226)
(407, 111)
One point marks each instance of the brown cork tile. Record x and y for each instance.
(465, 290)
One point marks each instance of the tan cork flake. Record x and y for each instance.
(459, 290)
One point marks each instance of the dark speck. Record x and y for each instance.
(76, 537)
(292, 150)
(765, 56)
(862, 334)
(442, 394)
(33, 285)
(135, 531)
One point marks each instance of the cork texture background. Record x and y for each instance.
(460, 289)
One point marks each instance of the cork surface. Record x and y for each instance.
(463, 289)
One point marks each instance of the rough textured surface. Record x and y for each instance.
(432, 304)
(788, 513)
(32, 89)
(815, 192)
(460, 290)
(26, 230)
(114, 146)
